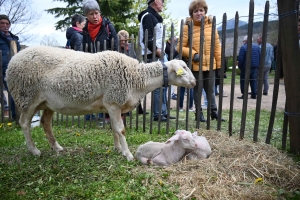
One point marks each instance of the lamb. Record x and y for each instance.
(77, 83)
(164, 154)
(203, 148)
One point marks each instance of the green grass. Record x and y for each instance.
(89, 168)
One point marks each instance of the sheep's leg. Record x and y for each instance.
(47, 125)
(119, 132)
(25, 123)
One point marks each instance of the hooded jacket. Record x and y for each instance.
(151, 21)
(105, 33)
(196, 44)
(75, 38)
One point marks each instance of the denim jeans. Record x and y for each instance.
(253, 80)
(266, 78)
(156, 94)
(182, 91)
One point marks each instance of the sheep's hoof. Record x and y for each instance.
(35, 151)
(56, 147)
(129, 156)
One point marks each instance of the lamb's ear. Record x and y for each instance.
(195, 134)
(173, 138)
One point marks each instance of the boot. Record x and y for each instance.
(202, 119)
(214, 115)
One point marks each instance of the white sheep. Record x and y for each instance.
(203, 149)
(77, 83)
(163, 154)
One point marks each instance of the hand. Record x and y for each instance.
(158, 53)
(196, 58)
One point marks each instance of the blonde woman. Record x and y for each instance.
(197, 10)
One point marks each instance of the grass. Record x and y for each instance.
(89, 168)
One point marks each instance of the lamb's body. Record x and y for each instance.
(77, 83)
(170, 152)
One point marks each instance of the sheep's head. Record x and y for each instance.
(185, 138)
(203, 147)
(180, 74)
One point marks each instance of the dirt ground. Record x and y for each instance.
(266, 102)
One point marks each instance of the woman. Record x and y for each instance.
(197, 10)
(74, 33)
(97, 29)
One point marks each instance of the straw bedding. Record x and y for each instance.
(235, 170)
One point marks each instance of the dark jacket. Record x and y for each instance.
(168, 50)
(255, 56)
(75, 38)
(101, 36)
(5, 48)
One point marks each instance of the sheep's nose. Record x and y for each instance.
(207, 156)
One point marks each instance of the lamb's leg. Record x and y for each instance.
(119, 132)
(47, 125)
(25, 123)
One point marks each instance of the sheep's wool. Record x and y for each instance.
(76, 76)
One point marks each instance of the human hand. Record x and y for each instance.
(196, 58)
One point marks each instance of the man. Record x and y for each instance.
(5, 37)
(255, 59)
(151, 20)
(268, 63)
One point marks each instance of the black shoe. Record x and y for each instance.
(162, 119)
(249, 92)
(171, 117)
(142, 112)
(202, 119)
(265, 93)
(214, 115)
(253, 97)
(216, 94)
(241, 97)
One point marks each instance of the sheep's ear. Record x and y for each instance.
(195, 134)
(173, 138)
(179, 72)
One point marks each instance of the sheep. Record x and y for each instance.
(203, 148)
(164, 154)
(77, 83)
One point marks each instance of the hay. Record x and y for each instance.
(235, 170)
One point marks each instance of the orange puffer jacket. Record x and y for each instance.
(196, 45)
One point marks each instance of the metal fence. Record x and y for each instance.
(145, 122)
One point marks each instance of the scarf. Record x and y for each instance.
(77, 29)
(93, 29)
(153, 12)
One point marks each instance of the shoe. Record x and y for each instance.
(181, 109)
(6, 114)
(265, 93)
(202, 119)
(174, 96)
(204, 106)
(253, 97)
(225, 95)
(162, 119)
(241, 97)
(171, 117)
(142, 112)
(216, 94)
(191, 109)
(249, 92)
(214, 115)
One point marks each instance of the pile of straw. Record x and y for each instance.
(237, 169)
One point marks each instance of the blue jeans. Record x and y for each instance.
(182, 91)
(253, 80)
(204, 97)
(156, 94)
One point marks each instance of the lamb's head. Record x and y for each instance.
(180, 74)
(185, 139)
(203, 147)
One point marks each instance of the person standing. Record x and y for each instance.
(268, 63)
(255, 59)
(74, 33)
(97, 29)
(197, 10)
(5, 38)
(151, 20)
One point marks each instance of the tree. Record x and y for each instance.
(49, 41)
(21, 16)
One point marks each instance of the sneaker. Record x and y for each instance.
(174, 96)
(180, 109)
(162, 119)
(191, 109)
(204, 107)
